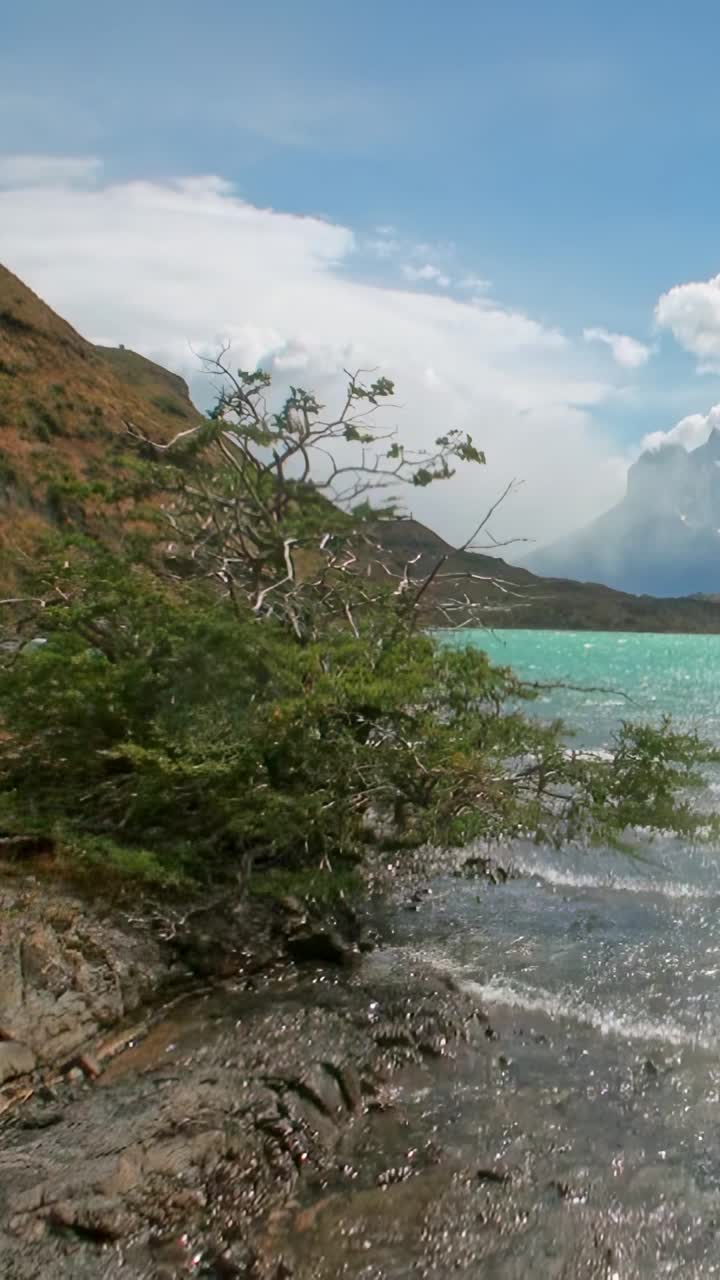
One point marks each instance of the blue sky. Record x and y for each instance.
(564, 152)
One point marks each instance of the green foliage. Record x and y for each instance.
(100, 855)
(66, 495)
(168, 729)
(655, 769)
(42, 421)
(323, 885)
(159, 730)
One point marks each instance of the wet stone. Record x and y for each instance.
(322, 1089)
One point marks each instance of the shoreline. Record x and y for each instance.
(106, 1008)
(259, 1117)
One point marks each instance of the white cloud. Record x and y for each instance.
(691, 312)
(626, 351)
(48, 171)
(431, 379)
(428, 272)
(690, 431)
(172, 268)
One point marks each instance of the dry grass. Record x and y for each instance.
(65, 454)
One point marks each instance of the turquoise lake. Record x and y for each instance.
(645, 676)
(612, 960)
(650, 955)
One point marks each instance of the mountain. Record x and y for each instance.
(663, 538)
(65, 455)
(66, 461)
(512, 596)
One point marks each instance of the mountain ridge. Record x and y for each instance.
(662, 537)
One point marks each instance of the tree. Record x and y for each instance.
(281, 508)
(268, 698)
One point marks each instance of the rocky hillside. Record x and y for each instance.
(66, 460)
(65, 455)
(663, 537)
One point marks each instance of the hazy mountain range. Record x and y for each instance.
(662, 538)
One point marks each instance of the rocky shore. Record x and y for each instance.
(237, 1090)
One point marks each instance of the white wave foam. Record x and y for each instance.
(560, 878)
(607, 1022)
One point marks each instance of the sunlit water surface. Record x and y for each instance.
(603, 970)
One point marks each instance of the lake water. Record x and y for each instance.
(603, 971)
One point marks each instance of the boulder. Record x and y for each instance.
(15, 1060)
(67, 969)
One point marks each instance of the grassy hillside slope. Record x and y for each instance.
(65, 455)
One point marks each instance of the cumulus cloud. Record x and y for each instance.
(175, 268)
(691, 313)
(429, 273)
(690, 432)
(47, 171)
(627, 352)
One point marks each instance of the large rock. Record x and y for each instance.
(15, 1060)
(67, 970)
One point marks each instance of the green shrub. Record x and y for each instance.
(174, 735)
(42, 421)
(258, 699)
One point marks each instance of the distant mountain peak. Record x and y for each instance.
(710, 450)
(662, 537)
